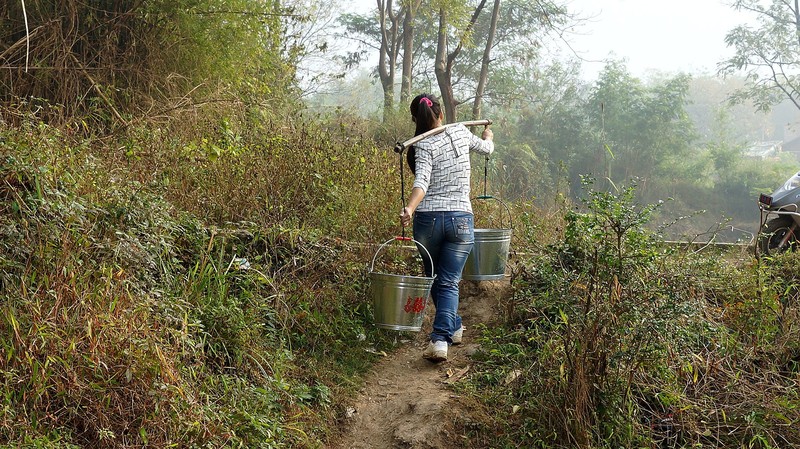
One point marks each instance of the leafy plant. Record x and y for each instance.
(618, 341)
(159, 295)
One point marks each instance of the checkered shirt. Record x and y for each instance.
(443, 170)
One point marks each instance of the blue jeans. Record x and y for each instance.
(449, 237)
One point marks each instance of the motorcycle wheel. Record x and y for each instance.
(772, 235)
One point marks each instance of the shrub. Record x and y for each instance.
(620, 341)
(137, 311)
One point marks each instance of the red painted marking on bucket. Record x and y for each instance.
(414, 305)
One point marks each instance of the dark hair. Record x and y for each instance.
(426, 110)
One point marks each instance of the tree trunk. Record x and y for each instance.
(484, 76)
(440, 68)
(408, 50)
(797, 19)
(387, 59)
(444, 61)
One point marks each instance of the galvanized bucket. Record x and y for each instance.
(487, 261)
(399, 301)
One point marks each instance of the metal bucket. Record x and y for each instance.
(399, 301)
(487, 261)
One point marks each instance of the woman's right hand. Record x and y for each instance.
(405, 216)
(487, 134)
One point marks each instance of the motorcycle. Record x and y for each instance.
(780, 218)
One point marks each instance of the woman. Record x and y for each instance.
(440, 205)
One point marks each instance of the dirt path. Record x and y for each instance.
(407, 402)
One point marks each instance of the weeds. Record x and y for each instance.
(159, 288)
(171, 294)
(617, 342)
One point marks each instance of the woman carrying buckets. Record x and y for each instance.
(440, 205)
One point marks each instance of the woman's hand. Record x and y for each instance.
(413, 201)
(487, 134)
(405, 216)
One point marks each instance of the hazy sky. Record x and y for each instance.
(663, 35)
(672, 35)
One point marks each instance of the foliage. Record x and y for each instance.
(514, 54)
(118, 60)
(622, 126)
(619, 342)
(768, 53)
(150, 295)
(643, 126)
(616, 129)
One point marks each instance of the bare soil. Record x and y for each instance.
(408, 402)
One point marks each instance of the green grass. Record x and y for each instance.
(617, 341)
(125, 318)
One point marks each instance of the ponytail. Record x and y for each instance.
(425, 110)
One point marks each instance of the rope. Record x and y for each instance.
(402, 193)
(485, 175)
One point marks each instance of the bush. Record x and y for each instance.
(619, 341)
(151, 295)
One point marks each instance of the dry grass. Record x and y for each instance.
(687, 350)
(125, 321)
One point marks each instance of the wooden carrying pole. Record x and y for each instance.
(400, 147)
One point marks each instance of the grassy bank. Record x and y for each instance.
(618, 341)
(158, 289)
(205, 286)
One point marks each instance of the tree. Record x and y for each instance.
(313, 42)
(120, 58)
(487, 52)
(392, 32)
(639, 128)
(412, 6)
(468, 46)
(769, 54)
(446, 59)
(511, 35)
(389, 24)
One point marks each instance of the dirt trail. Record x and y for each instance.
(407, 401)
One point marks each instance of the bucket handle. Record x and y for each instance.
(401, 239)
(508, 210)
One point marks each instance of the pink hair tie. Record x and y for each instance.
(427, 101)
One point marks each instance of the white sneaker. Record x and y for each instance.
(458, 335)
(436, 351)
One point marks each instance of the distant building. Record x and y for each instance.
(764, 150)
